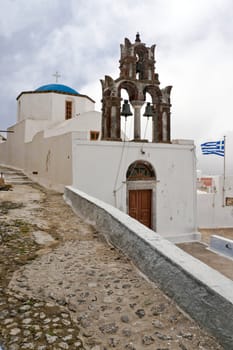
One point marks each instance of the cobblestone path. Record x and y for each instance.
(63, 287)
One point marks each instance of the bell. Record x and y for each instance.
(148, 110)
(126, 109)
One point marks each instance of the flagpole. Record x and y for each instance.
(224, 173)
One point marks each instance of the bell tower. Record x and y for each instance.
(137, 77)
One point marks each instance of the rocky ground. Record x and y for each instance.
(63, 287)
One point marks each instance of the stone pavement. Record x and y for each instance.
(63, 287)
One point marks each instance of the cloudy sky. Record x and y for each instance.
(81, 40)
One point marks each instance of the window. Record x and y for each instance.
(68, 109)
(94, 135)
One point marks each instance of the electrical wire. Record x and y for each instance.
(140, 149)
(119, 165)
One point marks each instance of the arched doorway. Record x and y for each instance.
(141, 181)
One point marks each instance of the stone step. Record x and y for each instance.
(15, 177)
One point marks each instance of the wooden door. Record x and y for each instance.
(140, 206)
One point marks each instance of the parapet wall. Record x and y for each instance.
(202, 292)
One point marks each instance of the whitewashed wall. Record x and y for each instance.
(12, 151)
(46, 160)
(32, 127)
(80, 105)
(86, 122)
(47, 153)
(210, 209)
(100, 169)
(49, 160)
(50, 106)
(90, 120)
(34, 106)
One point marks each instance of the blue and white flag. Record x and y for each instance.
(213, 147)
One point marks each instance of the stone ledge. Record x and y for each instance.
(221, 245)
(205, 294)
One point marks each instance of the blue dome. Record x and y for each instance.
(57, 88)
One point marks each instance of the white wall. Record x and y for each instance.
(50, 106)
(34, 106)
(50, 158)
(32, 127)
(90, 121)
(84, 123)
(79, 106)
(210, 209)
(100, 168)
(12, 151)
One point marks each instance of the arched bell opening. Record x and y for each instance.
(127, 92)
(127, 120)
(137, 67)
(141, 54)
(146, 118)
(141, 193)
(131, 89)
(156, 124)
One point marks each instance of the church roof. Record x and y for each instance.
(57, 88)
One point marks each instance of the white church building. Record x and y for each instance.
(59, 139)
(40, 143)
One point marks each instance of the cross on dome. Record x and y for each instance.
(56, 75)
(137, 40)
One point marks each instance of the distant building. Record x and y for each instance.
(59, 139)
(215, 202)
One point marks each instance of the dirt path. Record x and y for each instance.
(73, 291)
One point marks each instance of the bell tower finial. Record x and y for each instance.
(137, 40)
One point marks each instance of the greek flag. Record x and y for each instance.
(213, 147)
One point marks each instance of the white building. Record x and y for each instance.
(59, 139)
(40, 143)
(215, 202)
(49, 106)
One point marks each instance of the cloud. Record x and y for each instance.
(39, 16)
